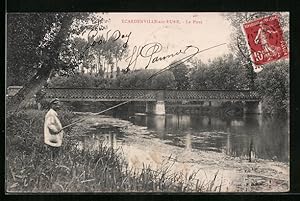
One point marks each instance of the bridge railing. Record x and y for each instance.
(211, 95)
(96, 94)
(100, 94)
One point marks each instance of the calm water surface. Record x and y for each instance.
(267, 137)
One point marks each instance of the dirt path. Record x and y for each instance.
(230, 173)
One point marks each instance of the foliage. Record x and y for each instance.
(198, 76)
(225, 72)
(181, 72)
(32, 46)
(238, 43)
(273, 85)
(80, 80)
(272, 81)
(164, 80)
(222, 73)
(134, 79)
(45, 45)
(55, 42)
(118, 71)
(95, 53)
(76, 54)
(23, 39)
(30, 168)
(44, 39)
(140, 79)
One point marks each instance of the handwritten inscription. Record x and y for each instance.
(114, 36)
(94, 39)
(151, 51)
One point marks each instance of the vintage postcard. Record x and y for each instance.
(147, 102)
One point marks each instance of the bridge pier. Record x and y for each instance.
(252, 107)
(157, 108)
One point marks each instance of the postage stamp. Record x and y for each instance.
(265, 41)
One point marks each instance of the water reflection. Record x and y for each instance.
(188, 142)
(110, 140)
(251, 135)
(90, 142)
(96, 138)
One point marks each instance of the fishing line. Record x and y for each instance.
(157, 73)
(77, 121)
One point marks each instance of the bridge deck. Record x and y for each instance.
(96, 94)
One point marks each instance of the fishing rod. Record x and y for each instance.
(160, 71)
(75, 122)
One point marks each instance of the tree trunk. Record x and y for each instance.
(107, 73)
(112, 71)
(104, 68)
(29, 90)
(40, 78)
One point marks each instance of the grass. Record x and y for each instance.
(29, 167)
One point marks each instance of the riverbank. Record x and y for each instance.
(30, 167)
(138, 162)
(222, 172)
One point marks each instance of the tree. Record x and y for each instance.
(181, 72)
(118, 71)
(23, 39)
(198, 75)
(76, 52)
(44, 43)
(108, 51)
(273, 86)
(239, 43)
(221, 73)
(134, 79)
(272, 81)
(164, 80)
(140, 79)
(34, 49)
(80, 80)
(226, 73)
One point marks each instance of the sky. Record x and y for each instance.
(174, 31)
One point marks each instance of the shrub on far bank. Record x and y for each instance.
(80, 80)
(273, 85)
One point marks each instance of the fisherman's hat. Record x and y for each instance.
(53, 101)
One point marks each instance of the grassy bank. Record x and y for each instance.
(29, 167)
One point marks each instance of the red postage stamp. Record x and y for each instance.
(265, 41)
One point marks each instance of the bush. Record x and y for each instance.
(142, 79)
(29, 167)
(25, 129)
(273, 85)
(80, 80)
(222, 73)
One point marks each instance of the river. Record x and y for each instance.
(265, 137)
(258, 136)
(206, 144)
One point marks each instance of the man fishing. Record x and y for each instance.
(53, 133)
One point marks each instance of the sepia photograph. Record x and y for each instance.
(154, 102)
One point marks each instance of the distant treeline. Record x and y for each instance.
(221, 73)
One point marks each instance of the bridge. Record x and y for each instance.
(155, 99)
